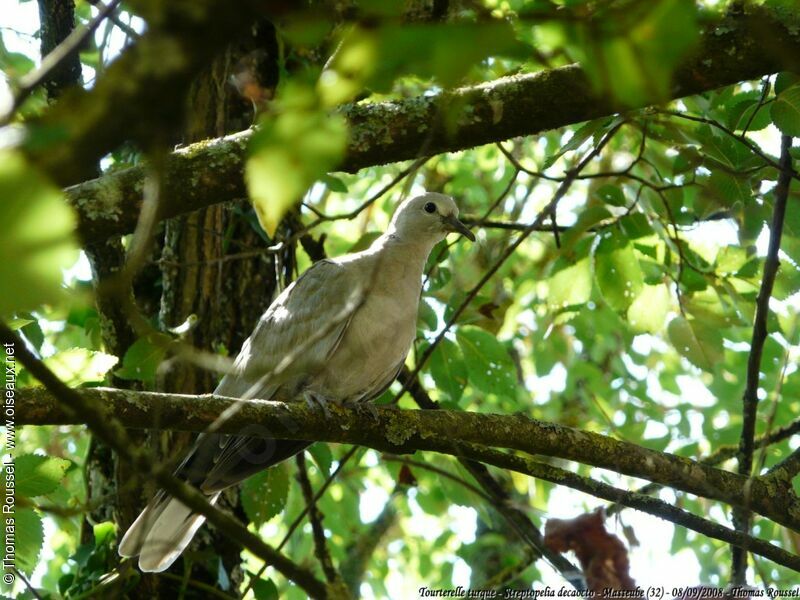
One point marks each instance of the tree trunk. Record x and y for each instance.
(226, 296)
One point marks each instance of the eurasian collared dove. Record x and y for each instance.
(353, 320)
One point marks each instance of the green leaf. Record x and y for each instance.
(291, 150)
(730, 259)
(104, 533)
(617, 271)
(19, 323)
(37, 475)
(37, 241)
(375, 56)
(647, 313)
(433, 500)
(334, 184)
(701, 344)
(611, 194)
(719, 148)
(34, 334)
(364, 241)
(264, 494)
(630, 52)
(14, 64)
(264, 589)
(578, 138)
(787, 283)
(785, 80)
(730, 189)
(785, 111)
(448, 369)
(489, 365)
(456, 492)
(748, 113)
(77, 366)
(635, 226)
(570, 286)
(687, 160)
(143, 357)
(321, 453)
(427, 316)
(30, 537)
(574, 243)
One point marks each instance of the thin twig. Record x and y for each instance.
(640, 502)
(28, 584)
(299, 519)
(773, 409)
(766, 85)
(742, 517)
(322, 217)
(112, 433)
(315, 517)
(506, 190)
(442, 472)
(720, 455)
(60, 53)
(114, 18)
(543, 214)
(500, 499)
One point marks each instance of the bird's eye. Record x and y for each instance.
(429, 207)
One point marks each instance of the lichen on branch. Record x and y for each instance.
(404, 431)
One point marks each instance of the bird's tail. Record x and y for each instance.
(161, 532)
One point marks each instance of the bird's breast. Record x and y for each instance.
(375, 342)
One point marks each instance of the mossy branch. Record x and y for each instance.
(745, 44)
(405, 431)
(90, 410)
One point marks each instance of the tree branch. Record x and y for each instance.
(60, 64)
(402, 431)
(384, 132)
(315, 517)
(501, 499)
(641, 502)
(141, 95)
(361, 551)
(89, 410)
(724, 453)
(741, 516)
(771, 264)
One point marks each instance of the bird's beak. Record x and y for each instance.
(451, 223)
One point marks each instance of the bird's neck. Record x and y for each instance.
(406, 257)
(416, 250)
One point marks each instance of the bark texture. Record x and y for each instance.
(225, 297)
(451, 432)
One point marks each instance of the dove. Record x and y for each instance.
(340, 333)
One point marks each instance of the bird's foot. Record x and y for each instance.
(316, 402)
(364, 407)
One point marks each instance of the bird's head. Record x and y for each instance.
(430, 216)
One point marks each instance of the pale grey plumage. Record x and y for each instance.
(347, 324)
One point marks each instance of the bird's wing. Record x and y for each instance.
(295, 336)
(297, 333)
